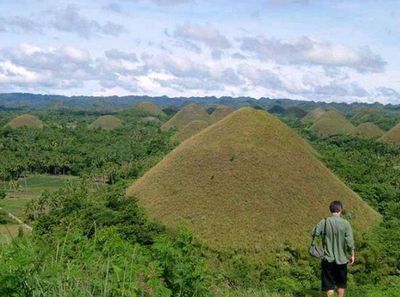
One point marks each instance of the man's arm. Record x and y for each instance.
(317, 230)
(350, 243)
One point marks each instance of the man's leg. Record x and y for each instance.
(341, 292)
(327, 278)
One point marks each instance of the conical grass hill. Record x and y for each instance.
(148, 108)
(107, 122)
(220, 112)
(190, 129)
(184, 116)
(25, 120)
(368, 130)
(246, 183)
(295, 112)
(332, 123)
(392, 136)
(313, 115)
(364, 114)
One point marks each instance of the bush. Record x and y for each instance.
(4, 217)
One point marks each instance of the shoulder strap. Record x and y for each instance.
(324, 234)
(315, 234)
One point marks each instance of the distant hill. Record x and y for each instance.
(332, 123)
(184, 116)
(27, 101)
(148, 108)
(220, 112)
(393, 135)
(107, 122)
(313, 115)
(364, 113)
(277, 109)
(190, 129)
(170, 110)
(247, 183)
(25, 120)
(368, 130)
(295, 112)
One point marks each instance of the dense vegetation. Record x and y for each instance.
(78, 150)
(90, 241)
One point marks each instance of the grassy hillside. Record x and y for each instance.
(332, 123)
(313, 115)
(107, 122)
(393, 135)
(368, 130)
(220, 112)
(148, 108)
(364, 113)
(237, 182)
(184, 116)
(295, 112)
(190, 129)
(25, 120)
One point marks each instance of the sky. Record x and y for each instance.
(325, 50)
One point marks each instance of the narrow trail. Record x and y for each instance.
(18, 220)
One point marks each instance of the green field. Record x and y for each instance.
(30, 187)
(19, 194)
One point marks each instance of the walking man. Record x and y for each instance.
(338, 243)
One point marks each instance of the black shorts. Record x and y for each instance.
(333, 275)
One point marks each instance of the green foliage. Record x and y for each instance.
(99, 243)
(184, 267)
(3, 194)
(107, 155)
(4, 217)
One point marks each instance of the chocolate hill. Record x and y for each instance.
(247, 183)
(25, 120)
(190, 129)
(107, 122)
(332, 123)
(184, 116)
(368, 130)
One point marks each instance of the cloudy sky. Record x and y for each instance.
(331, 50)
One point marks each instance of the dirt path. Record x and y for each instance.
(18, 220)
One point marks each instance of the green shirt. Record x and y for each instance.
(339, 239)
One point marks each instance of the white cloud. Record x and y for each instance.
(168, 2)
(19, 24)
(202, 34)
(115, 54)
(305, 51)
(69, 19)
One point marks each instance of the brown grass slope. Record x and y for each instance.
(392, 136)
(190, 129)
(107, 122)
(364, 113)
(25, 120)
(332, 123)
(148, 108)
(220, 112)
(247, 182)
(368, 130)
(313, 115)
(184, 116)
